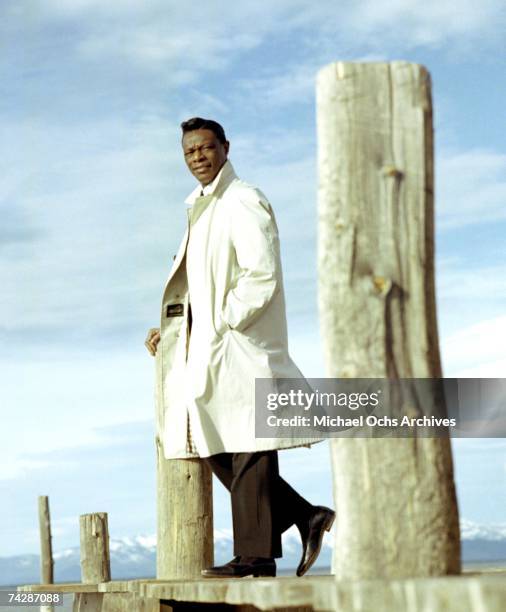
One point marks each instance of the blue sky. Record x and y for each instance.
(91, 196)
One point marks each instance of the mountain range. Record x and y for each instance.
(135, 557)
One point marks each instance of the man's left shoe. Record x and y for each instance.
(240, 567)
(311, 532)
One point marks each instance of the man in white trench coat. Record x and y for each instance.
(223, 324)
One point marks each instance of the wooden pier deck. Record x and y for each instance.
(469, 591)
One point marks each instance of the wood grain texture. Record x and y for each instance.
(477, 591)
(95, 558)
(185, 517)
(395, 498)
(87, 602)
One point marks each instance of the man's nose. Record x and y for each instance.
(198, 154)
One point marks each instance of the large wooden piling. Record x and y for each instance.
(185, 517)
(395, 498)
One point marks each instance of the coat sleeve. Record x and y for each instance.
(255, 242)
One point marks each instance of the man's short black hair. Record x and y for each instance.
(197, 123)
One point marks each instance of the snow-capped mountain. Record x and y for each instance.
(135, 557)
(473, 531)
(482, 542)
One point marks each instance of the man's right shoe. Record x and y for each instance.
(311, 532)
(240, 567)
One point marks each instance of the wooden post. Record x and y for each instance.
(395, 498)
(185, 517)
(95, 561)
(96, 568)
(46, 551)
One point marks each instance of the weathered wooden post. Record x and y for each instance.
(185, 517)
(96, 569)
(46, 550)
(95, 560)
(395, 498)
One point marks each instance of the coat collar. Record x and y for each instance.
(222, 180)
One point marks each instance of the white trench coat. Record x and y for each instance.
(228, 266)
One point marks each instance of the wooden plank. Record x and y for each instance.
(323, 593)
(264, 593)
(395, 501)
(114, 602)
(127, 602)
(126, 586)
(87, 602)
(68, 587)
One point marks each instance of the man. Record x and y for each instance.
(223, 325)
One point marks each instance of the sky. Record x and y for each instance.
(91, 203)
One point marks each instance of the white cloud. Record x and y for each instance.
(104, 217)
(61, 526)
(72, 401)
(158, 46)
(296, 84)
(472, 188)
(182, 41)
(488, 369)
(407, 24)
(13, 468)
(478, 348)
(457, 280)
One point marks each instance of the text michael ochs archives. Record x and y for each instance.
(298, 399)
(309, 408)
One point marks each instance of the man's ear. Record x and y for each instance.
(226, 145)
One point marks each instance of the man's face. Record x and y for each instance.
(204, 154)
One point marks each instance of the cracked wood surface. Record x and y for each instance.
(472, 591)
(395, 498)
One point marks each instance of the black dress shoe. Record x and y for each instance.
(312, 535)
(240, 567)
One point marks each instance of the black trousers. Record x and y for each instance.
(263, 504)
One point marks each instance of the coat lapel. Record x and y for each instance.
(179, 258)
(197, 206)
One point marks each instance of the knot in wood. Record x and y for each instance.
(392, 171)
(381, 284)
